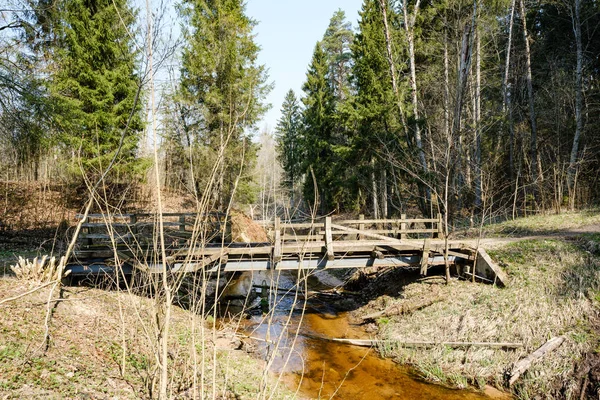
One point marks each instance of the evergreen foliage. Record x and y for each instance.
(222, 88)
(95, 86)
(288, 132)
(317, 117)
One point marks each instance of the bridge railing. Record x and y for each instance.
(356, 229)
(141, 228)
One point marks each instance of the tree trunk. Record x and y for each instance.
(578, 103)
(409, 24)
(532, 115)
(374, 189)
(390, 59)
(478, 120)
(506, 100)
(446, 88)
(464, 65)
(384, 194)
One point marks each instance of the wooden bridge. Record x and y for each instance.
(202, 243)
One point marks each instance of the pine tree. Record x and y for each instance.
(223, 88)
(95, 85)
(288, 136)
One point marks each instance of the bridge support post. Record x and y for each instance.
(425, 257)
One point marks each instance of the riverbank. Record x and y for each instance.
(554, 290)
(102, 344)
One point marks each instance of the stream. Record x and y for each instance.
(288, 338)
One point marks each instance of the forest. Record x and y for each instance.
(134, 171)
(466, 108)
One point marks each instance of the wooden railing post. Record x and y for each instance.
(277, 245)
(89, 241)
(182, 222)
(133, 223)
(440, 226)
(361, 227)
(425, 257)
(329, 239)
(403, 227)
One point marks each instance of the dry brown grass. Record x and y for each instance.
(554, 291)
(85, 355)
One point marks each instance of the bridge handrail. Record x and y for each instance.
(399, 227)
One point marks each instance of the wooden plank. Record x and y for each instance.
(329, 239)
(523, 365)
(318, 236)
(302, 225)
(461, 255)
(387, 239)
(484, 266)
(104, 225)
(99, 236)
(396, 231)
(104, 216)
(425, 257)
(386, 221)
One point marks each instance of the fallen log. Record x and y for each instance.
(416, 343)
(402, 309)
(523, 365)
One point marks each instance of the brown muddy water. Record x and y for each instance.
(287, 338)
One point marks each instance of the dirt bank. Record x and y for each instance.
(554, 291)
(102, 345)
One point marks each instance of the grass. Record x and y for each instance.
(85, 353)
(544, 224)
(554, 290)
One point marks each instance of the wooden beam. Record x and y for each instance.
(486, 267)
(523, 365)
(377, 254)
(387, 239)
(329, 239)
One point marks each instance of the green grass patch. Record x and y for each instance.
(544, 224)
(554, 290)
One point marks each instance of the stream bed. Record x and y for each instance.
(289, 338)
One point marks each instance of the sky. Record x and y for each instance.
(287, 31)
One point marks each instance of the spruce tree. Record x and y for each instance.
(288, 136)
(95, 84)
(317, 119)
(336, 45)
(223, 88)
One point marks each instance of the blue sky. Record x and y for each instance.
(287, 31)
